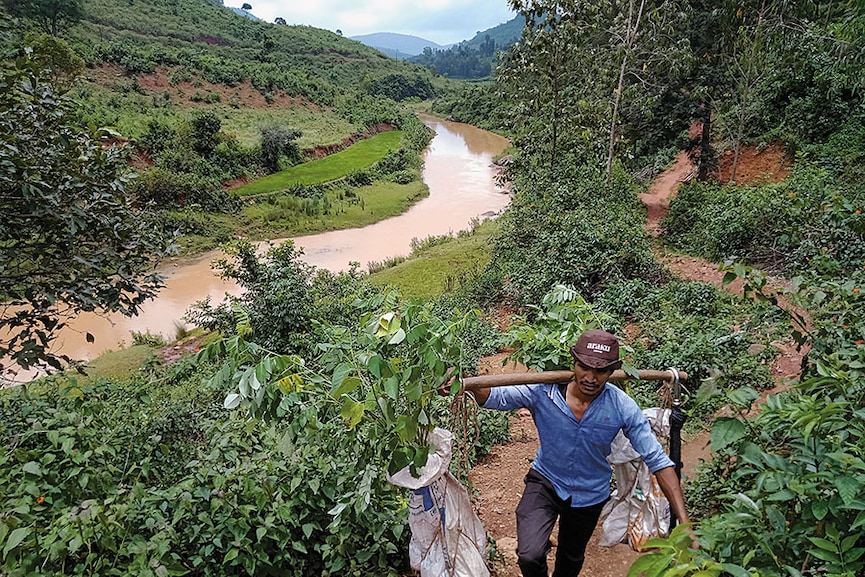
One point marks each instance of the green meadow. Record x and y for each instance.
(357, 157)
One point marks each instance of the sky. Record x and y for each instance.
(442, 21)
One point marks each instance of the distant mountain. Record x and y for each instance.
(400, 46)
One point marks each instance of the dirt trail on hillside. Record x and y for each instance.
(498, 480)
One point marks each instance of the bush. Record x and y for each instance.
(567, 233)
(167, 190)
(137, 479)
(807, 222)
(279, 147)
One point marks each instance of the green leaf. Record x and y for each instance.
(15, 539)
(848, 488)
(307, 529)
(735, 570)
(347, 386)
(414, 390)
(391, 387)
(262, 371)
(819, 509)
(232, 401)
(743, 396)
(397, 338)
(729, 277)
(825, 555)
(231, 555)
(725, 432)
(352, 412)
(824, 544)
(848, 543)
(406, 428)
(33, 468)
(650, 565)
(339, 375)
(374, 364)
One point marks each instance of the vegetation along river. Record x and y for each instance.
(461, 177)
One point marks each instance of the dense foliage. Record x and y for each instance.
(565, 230)
(70, 239)
(150, 477)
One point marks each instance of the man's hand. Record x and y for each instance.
(446, 387)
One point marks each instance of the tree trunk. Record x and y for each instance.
(630, 37)
(706, 153)
(616, 102)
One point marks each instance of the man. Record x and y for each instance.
(569, 479)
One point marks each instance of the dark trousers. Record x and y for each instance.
(537, 512)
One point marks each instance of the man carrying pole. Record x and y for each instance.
(569, 479)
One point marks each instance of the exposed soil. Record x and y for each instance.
(498, 480)
(159, 84)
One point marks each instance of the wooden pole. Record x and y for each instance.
(560, 377)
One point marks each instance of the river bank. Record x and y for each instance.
(459, 173)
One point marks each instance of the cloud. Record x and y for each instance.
(442, 21)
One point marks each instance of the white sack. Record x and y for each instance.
(637, 510)
(447, 537)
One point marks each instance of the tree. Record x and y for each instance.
(279, 20)
(278, 142)
(69, 239)
(246, 6)
(50, 14)
(205, 126)
(55, 56)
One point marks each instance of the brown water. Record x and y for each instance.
(461, 177)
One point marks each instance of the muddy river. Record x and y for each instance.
(461, 177)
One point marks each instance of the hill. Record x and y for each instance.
(204, 41)
(504, 34)
(474, 58)
(401, 46)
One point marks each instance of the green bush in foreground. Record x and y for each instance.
(138, 479)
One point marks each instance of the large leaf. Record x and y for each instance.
(339, 375)
(406, 428)
(726, 432)
(650, 564)
(352, 412)
(347, 386)
(848, 488)
(232, 401)
(15, 539)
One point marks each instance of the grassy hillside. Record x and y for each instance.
(215, 44)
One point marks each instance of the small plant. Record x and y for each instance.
(148, 339)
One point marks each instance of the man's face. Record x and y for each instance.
(590, 382)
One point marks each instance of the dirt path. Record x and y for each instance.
(499, 479)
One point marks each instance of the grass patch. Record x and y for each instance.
(130, 112)
(285, 216)
(359, 156)
(315, 125)
(118, 364)
(433, 271)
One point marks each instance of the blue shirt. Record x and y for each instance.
(573, 454)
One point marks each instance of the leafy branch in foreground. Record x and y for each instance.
(384, 373)
(70, 240)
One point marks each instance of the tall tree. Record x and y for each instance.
(69, 238)
(51, 15)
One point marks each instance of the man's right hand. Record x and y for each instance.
(450, 377)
